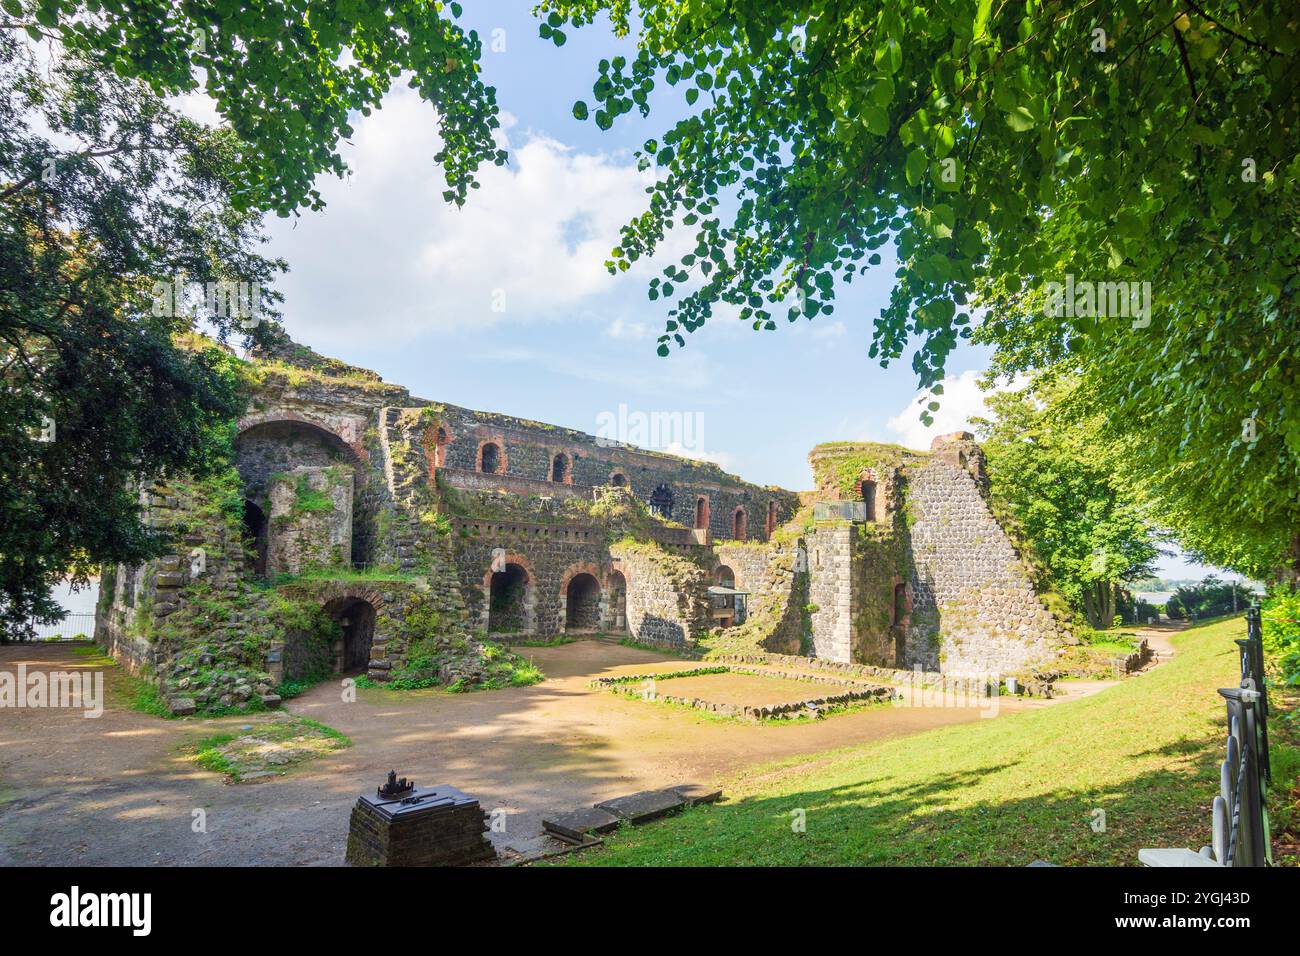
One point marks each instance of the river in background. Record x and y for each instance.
(77, 602)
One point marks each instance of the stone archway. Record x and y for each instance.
(582, 603)
(356, 618)
(491, 457)
(511, 605)
(616, 604)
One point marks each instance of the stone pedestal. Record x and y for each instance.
(427, 826)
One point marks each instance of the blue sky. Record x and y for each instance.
(505, 304)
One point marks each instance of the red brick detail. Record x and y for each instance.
(585, 567)
(702, 511)
(512, 557)
(502, 462)
(270, 418)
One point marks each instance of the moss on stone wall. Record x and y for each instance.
(839, 466)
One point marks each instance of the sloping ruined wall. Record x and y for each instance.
(666, 595)
(973, 603)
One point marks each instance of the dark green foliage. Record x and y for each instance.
(142, 195)
(288, 77)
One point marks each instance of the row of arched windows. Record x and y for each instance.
(491, 460)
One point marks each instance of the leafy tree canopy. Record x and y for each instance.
(95, 397)
(1000, 148)
(286, 75)
(1058, 478)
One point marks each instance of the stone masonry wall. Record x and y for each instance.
(549, 554)
(666, 596)
(973, 604)
(309, 519)
(830, 590)
(529, 451)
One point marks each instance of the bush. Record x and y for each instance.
(1281, 620)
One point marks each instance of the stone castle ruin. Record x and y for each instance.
(361, 530)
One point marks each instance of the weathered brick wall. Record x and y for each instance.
(302, 533)
(973, 603)
(667, 600)
(529, 450)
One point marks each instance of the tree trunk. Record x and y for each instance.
(1099, 605)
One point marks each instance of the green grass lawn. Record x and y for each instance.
(1002, 791)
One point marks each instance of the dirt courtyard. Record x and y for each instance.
(118, 790)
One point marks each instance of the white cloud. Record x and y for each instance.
(389, 256)
(720, 458)
(961, 400)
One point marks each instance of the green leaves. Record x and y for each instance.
(1020, 119)
(875, 119)
(580, 110)
(915, 167)
(288, 92)
(889, 56)
(1021, 157)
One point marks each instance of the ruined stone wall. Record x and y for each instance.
(666, 595)
(528, 451)
(776, 577)
(830, 589)
(310, 519)
(549, 554)
(973, 603)
(190, 620)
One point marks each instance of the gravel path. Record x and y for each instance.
(117, 790)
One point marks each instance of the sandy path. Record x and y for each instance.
(115, 790)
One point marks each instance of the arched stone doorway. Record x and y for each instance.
(723, 576)
(617, 602)
(701, 512)
(356, 618)
(510, 604)
(582, 603)
(738, 524)
(255, 536)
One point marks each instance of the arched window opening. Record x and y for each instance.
(661, 501)
(489, 460)
(900, 604)
(868, 491)
(701, 512)
(738, 522)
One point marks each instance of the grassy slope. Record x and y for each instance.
(999, 792)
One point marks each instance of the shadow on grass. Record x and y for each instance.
(871, 823)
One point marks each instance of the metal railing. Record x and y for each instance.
(74, 627)
(840, 510)
(1239, 816)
